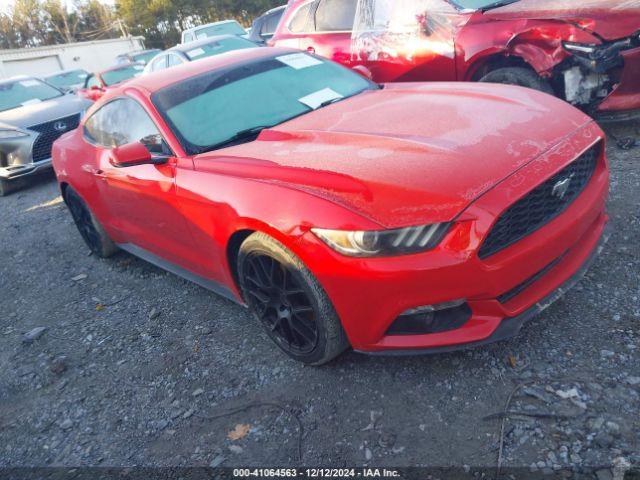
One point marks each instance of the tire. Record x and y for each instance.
(88, 225)
(4, 187)
(520, 76)
(289, 302)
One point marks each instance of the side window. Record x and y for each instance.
(124, 121)
(302, 20)
(188, 37)
(270, 24)
(173, 60)
(93, 81)
(159, 63)
(335, 15)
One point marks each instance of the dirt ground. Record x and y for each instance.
(135, 366)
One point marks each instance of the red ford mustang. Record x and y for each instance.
(403, 217)
(96, 84)
(585, 51)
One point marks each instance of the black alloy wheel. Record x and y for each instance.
(281, 303)
(90, 229)
(84, 222)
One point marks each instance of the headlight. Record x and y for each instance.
(371, 243)
(579, 47)
(12, 134)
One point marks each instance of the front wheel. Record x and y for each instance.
(289, 302)
(520, 76)
(90, 229)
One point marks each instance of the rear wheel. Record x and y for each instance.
(90, 229)
(289, 302)
(520, 76)
(4, 187)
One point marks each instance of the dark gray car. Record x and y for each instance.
(33, 114)
(188, 52)
(266, 24)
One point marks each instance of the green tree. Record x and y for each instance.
(32, 23)
(162, 21)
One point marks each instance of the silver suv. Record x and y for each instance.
(33, 114)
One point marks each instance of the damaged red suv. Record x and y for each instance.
(585, 52)
(404, 217)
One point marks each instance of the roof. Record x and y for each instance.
(34, 51)
(275, 9)
(120, 66)
(159, 80)
(221, 22)
(62, 72)
(139, 52)
(15, 78)
(185, 47)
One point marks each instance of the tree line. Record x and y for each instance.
(33, 23)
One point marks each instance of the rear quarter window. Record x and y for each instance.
(302, 20)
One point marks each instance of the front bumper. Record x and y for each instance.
(18, 171)
(369, 294)
(625, 96)
(510, 327)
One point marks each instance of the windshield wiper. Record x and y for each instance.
(238, 136)
(329, 102)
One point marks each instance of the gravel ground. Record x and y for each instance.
(136, 365)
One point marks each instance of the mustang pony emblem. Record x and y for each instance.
(560, 188)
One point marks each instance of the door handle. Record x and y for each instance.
(98, 173)
(310, 49)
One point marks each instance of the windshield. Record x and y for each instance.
(218, 47)
(228, 28)
(28, 91)
(121, 74)
(66, 80)
(481, 4)
(221, 107)
(145, 57)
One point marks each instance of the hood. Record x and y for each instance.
(407, 154)
(608, 19)
(63, 106)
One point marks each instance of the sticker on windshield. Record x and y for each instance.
(82, 75)
(33, 101)
(316, 99)
(29, 83)
(299, 60)
(138, 67)
(196, 52)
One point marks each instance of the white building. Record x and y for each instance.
(91, 56)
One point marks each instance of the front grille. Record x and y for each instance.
(541, 205)
(48, 133)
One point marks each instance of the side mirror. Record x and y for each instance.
(363, 71)
(132, 154)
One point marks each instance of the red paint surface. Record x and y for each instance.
(462, 44)
(407, 155)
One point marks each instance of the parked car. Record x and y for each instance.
(587, 53)
(68, 80)
(224, 27)
(96, 84)
(407, 218)
(32, 115)
(265, 25)
(197, 50)
(141, 56)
